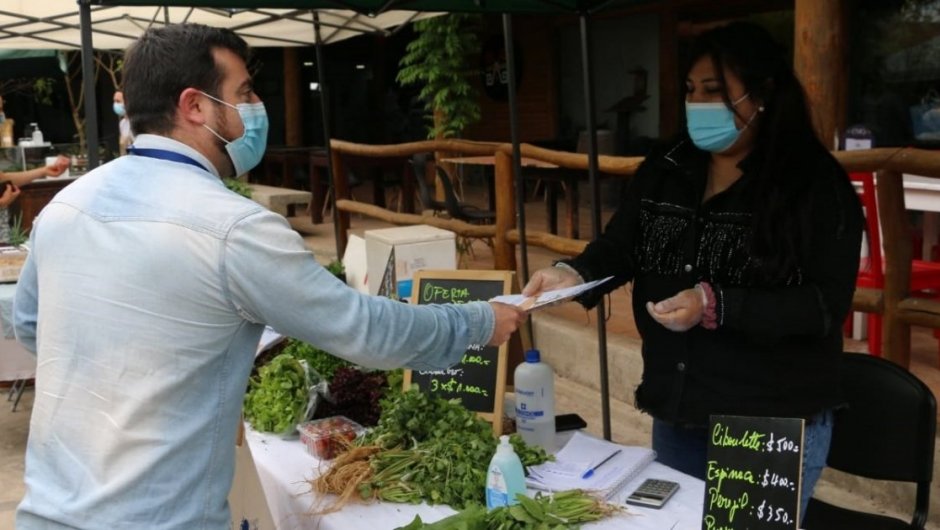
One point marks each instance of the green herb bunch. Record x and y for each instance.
(239, 187)
(277, 397)
(323, 363)
(435, 450)
(560, 511)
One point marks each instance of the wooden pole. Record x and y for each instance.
(819, 60)
(293, 130)
(668, 69)
(341, 189)
(504, 252)
(896, 240)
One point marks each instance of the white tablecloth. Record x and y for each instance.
(284, 467)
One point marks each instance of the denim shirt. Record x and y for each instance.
(144, 296)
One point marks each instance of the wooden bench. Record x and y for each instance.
(279, 200)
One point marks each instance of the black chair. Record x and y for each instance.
(418, 164)
(458, 209)
(887, 433)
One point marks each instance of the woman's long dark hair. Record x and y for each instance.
(786, 154)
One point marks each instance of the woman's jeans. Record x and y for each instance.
(685, 449)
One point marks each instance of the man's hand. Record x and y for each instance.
(10, 193)
(58, 167)
(507, 321)
(549, 279)
(680, 312)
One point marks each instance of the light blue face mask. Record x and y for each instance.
(247, 150)
(118, 109)
(711, 125)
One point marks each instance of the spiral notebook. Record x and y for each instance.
(584, 452)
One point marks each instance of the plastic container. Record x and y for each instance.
(328, 437)
(535, 401)
(37, 134)
(504, 477)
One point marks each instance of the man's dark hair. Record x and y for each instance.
(167, 60)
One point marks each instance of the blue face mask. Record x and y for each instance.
(247, 150)
(711, 125)
(118, 109)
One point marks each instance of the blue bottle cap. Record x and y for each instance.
(532, 356)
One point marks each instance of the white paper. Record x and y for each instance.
(583, 452)
(547, 298)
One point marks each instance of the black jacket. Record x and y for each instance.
(776, 351)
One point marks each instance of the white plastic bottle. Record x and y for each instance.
(504, 477)
(37, 134)
(535, 401)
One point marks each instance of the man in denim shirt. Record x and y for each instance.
(146, 292)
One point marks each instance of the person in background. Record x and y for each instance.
(11, 182)
(742, 241)
(126, 137)
(146, 290)
(6, 128)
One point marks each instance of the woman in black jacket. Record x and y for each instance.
(742, 242)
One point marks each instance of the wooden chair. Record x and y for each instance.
(925, 275)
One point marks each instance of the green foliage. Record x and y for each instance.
(336, 268)
(277, 397)
(564, 510)
(42, 90)
(18, 235)
(318, 360)
(434, 450)
(437, 61)
(238, 187)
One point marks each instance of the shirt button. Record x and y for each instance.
(680, 367)
(688, 267)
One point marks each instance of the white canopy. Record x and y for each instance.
(54, 24)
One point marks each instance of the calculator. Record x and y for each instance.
(653, 493)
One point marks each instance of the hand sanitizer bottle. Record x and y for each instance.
(37, 135)
(504, 478)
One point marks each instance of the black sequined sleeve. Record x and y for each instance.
(612, 254)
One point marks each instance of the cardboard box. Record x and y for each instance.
(394, 254)
(11, 261)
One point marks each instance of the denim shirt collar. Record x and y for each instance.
(153, 141)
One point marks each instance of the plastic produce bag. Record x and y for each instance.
(284, 393)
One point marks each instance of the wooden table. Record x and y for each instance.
(551, 175)
(287, 159)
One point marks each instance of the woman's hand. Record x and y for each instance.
(10, 193)
(680, 312)
(58, 167)
(548, 279)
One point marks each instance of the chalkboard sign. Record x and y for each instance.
(479, 380)
(753, 473)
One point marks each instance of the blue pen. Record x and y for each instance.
(590, 472)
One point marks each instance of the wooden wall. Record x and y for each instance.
(538, 87)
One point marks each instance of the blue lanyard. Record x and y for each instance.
(163, 154)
